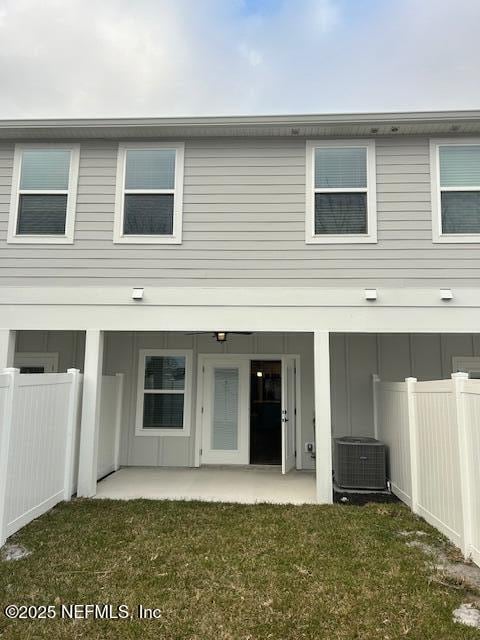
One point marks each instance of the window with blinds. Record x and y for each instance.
(459, 177)
(341, 192)
(44, 193)
(149, 206)
(225, 409)
(163, 400)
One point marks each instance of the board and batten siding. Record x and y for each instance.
(121, 355)
(394, 356)
(354, 358)
(244, 220)
(69, 345)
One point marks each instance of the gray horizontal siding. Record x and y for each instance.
(244, 204)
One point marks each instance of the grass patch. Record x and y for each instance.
(221, 571)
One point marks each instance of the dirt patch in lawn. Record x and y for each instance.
(221, 572)
(449, 567)
(11, 551)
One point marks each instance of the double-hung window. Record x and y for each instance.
(44, 192)
(164, 392)
(455, 167)
(341, 192)
(149, 193)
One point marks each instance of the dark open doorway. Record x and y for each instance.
(265, 412)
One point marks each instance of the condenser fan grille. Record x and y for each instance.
(360, 463)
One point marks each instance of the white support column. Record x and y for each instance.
(465, 471)
(323, 420)
(412, 437)
(7, 348)
(92, 389)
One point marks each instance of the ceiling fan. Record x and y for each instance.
(220, 336)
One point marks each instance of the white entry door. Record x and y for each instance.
(225, 423)
(288, 414)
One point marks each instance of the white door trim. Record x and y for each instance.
(204, 357)
(289, 416)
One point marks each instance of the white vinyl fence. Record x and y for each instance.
(432, 430)
(108, 459)
(38, 421)
(40, 416)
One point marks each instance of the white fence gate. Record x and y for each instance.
(432, 430)
(39, 416)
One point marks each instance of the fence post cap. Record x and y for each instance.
(462, 375)
(411, 379)
(73, 370)
(10, 370)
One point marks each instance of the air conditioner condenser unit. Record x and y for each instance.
(360, 463)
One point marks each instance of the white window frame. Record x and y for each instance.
(48, 360)
(70, 192)
(437, 234)
(187, 392)
(177, 191)
(370, 190)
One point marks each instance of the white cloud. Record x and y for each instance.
(325, 15)
(253, 56)
(187, 57)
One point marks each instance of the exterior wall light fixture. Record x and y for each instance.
(446, 294)
(137, 293)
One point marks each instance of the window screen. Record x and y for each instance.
(340, 213)
(150, 169)
(149, 196)
(341, 167)
(45, 169)
(340, 191)
(41, 214)
(43, 193)
(163, 411)
(150, 214)
(460, 188)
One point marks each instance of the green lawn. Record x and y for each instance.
(231, 571)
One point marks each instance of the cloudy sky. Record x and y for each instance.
(84, 58)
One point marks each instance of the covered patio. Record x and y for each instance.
(246, 485)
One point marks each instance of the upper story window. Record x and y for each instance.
(341, 192)
(44, 193)
(455, 167)
(149, 193)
